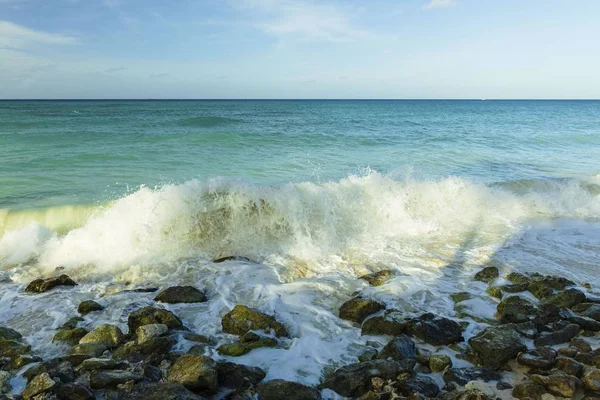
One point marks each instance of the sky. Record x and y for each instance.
(299, 49)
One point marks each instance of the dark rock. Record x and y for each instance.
(494, 291)
(71, 323)
(503, 386)
(496, 345)
(592, 358)
(378, 278)
(358, 308)
(392, 323)
(13, 349)
(136, 352)
(569, 366)
(439, 362)
(421, 384)
(42, 383)
(516, 309)
(487, 275)
(540, 358)
(591, 379)
(560, 336)
(239, 377)
(518, 278)
(462, 376)
(112, 378)
(230, 258)
(152, 373)
(44, 285)
(197, 373)
(581, 345)
(181, 294)
(435, 330)
(73, 391)
(89, 349)
(368, 355)
(70, 336)
(243, 319)
(470, 394)
(559, 384)
(57, 368)
(460, 296)
(526, 329)
(88, 306)
(566, 299)
(9, 334)
(145, 333)
(592, 312)
(354, 380)
(589, 324)
(151, 315)
(93, 364)
(399, 348)
(513, 288)
(108, 335)
(540, 289)
(567, 352)
(529, 390)
(156, 391)
(278, 389)
(240, 348)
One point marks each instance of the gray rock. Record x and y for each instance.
(496, 345)
(540, 358)
(592, 312)
(5, 386)
(560, 336)
(420, 384)
(242, 319)
(181, 294)
(197, 373)
(146, 332)
(108, 335)
(462, 376)
(42, 383)
(88, 306)
(516, 309)
(57, 368)
(239, 377)
(400, 348)
(44, 285)
(358, 309)
(112, 378)
(89, 349)
(152, 315)
(74, 391)
(435, 330)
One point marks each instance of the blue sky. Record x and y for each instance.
(299, 49)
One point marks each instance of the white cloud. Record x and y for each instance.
(14, 36)
(439, 4)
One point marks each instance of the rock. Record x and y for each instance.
(517, 278)
(559, 384)
(89, 349)
(73, 391)
(88, 306)
(560, 336)
(494, 291)
(591, 379)
(44, 285)
(278, 389)
(358, 308)
(70, 336)
(368, 355)
(71, 323)
(439, 362)
(241, 348)
(528, 390)
(109, 335)
(392, 323)
(400, 348)
(587, 323)
(435, 330)
(42, 383)
(57, 368)
(146, 332)
(378, 278)
(239, 377)
(581, 345)
(567, 351)
(569, 366)
(21, 361)
(566, 299)
(13, 349)
(181, 294)
(460, 296)
(151, 315)
(516, 309)
(540, 289)
(496, 345)
(136, 352)
(513, 288)
(93, 364)
(464, 375)
(487, 275)
(5, 386)
(526, 329)
(230, 258)
(197, 373)
(592, 312)
(420, 384)
(354, 380)
(540, 358)
(9, 334)
(243, 319)
(470, 394)
(112, 378)
(157, 391)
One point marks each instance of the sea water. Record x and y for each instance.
(138, 194)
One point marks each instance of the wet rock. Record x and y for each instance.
(112, 378)
(378, 278)
(559, 384)
(42, 383)
(589, 324)
(358, 308)
(566, 299)
(540, 358)
(243, 319)
(279, 389)
(239, 377)
(136, 352)
(71, 323)
(145, 333)
(181, 294)
(569, 366)
(156, 391)
(74, 391)
(513, 288)
(70, 336)
(494, 291)
(9, 334)
(560, 336)
(462, 376)
(368, 355)
(108, 335)
(93, 364)
(518, 278)
(516, 309)
(529, 390)
(439, 362)
(487, 275)
(420, 384)
(57, 368)
(540, 289)
(152, 315)
(435, 330)
(240, 348)
(567, 352)
(526, 329)
(503, 386)
(230, 258)
(399, 348)
(461, 296)
(354, 380)
(89, 349)
(592, 359)
(5, 386)
(197, 373)
(591, 379)
(88, 306)
(592, 312)
(581, 345)
(470, 394)
(496, 345)
(12, 349)
(21, 361)
(392, 323)
(44, 285)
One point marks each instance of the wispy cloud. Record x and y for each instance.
(14, 36)
(439, 4)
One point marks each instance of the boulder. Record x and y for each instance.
(108, 335)
(586, 323)
(5, 386)
(70, 336)
(558, 384)
(581, 345)
(487, 275)
(146, 332)
(422, 385)
(359, 308)
(462, 376)
(569, 366)
(42, 383)
(392, 323)
(399, 348)
(592, 312)
(540, 358)
(136, 352)
(279, 389)
(518, 278)
(496, 345)
(529, 390)
(57, 368)
(13, 349)
(152, 315)
(74, 391)
(9, 334)
(88, 306)
(89, 349)
(240, 348)
(181, 294)
(71, 323)
(104, 379)
(378, 278)
(540, 289)
(243, 319)
(560, 336)
(197, 373)
(93, 364)
(239, 377)
(435, 330)
(515, 309)
(566, 299)
(591, 379)
(439, 362)
(44, 285)
(354, 380)
(156, 391)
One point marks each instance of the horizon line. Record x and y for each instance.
(298, 99)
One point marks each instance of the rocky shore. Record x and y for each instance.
(543, 343)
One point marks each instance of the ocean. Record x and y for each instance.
(137, 194)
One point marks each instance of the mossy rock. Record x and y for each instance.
(152, 315)
(239, 349)
(494, 291)
(359, 308)
(88, 306)
(9, 334)
(12, 348)
(70, 336)
(518, 278)
(378, 278)
(181, 294)
(197, 373)
(71, 323)
(516, 309)
(567, 298)
(109, 335)
(439, 362)
(135, 352)
(460, 296)
(540, 289)
(243, 319)
(487, 275)
(44, 285)
(392, 323)
(279, 389)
